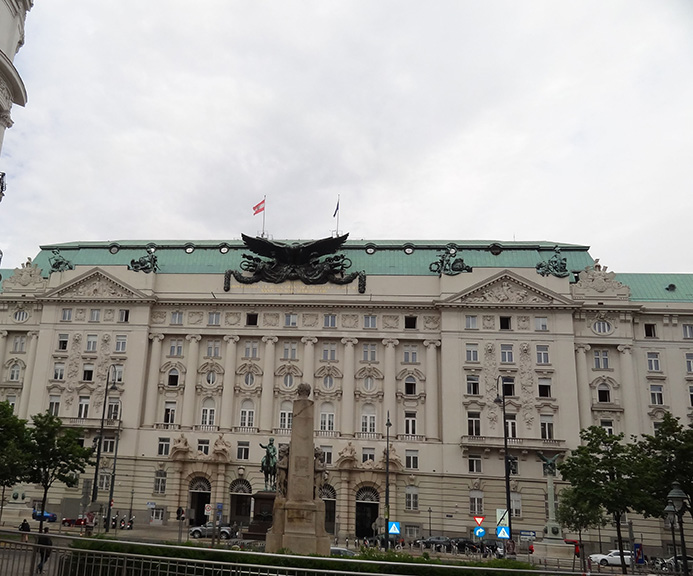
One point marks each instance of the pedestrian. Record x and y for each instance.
(347, 542)
(44, 541)
(25, 528)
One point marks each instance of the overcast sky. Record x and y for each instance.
(505, 120)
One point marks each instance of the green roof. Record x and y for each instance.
(658, 287)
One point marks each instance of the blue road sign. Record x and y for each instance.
(479, 532)
(503, 532)
(393, 528)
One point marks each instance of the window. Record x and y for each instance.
(288, 380)
(368, 383)
(474, 463)
(411, 459)
(603, 393)
(121, 343)
(247, 414)
(83, 407)
(156, 515)
(62, 341)
(368, 418)
(124, 316)
(54, 405)
(211, 377)
(19, 344)
(542, 354)
(474, 423)
(545, 387)
(203, 446)
(688, 331)
(177, 318)
(516, 504)
(411, 352)
(369, 352)
(608, 425)
(410, 386)
(511, 425)
(602, 327)
(92, 340)
(472, 352)
(290, 350)
(507, 354)
(541, 323)
(410, 322)
(214, 319)
(66, 315)
(173, 377)
(505, 323)
(329, 351)
(690, 395)
(476, 502)
(327, 417)
(689, 363)
(601, 359)
(249, 379)
(508, 386)
(327, 451)
(656, 394)
(330, 321)
(169, 412)
(164, 446)
(160, 482)
(94, 315)
(290, 320)
(108, 445)
(410, 423)
(113, 409)
(328, 382)
(370, 321)
(653, 361)
(15, 372)
(207, 417)
(214, 348)
(251, 347)
(472, 384)
(251, 319)
(88, 373)
(243, 450)
(650, 330)
(12, 401)
(285, 416)
(470, 322)
(176, 347)
(546, 426)
(368, 454)
(104, 480)
(411, 498)
(59, 371)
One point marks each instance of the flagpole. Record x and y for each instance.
(338, 214)
(264, 200)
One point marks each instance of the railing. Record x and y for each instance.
(327, 433)
(206, 427)
(108, 423)
(281, 431)
(369, 435)
(245, 429)
(166, 426)
(497, 441)
(410, 437)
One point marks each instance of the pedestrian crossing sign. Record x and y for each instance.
(393, 528)
(503, 532)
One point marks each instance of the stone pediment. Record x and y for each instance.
(507, 289)
(96, 285)
(595, 282)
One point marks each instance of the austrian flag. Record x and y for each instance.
(259, 207)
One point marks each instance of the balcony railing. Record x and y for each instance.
(206, 428)
(497, 442)
(167, 426)
(369, 435)
(281, 431)
(245, 429)
(410, 437)
(91, 423)
(327, 433)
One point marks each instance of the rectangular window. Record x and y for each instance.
(411, 459)
(410, 423)
(160, 482)
(104, 480)
(177, 318)
(470, 323)
(368, 454)
(689, 362)
(92, 341)
(290, 320)
(330, 321)
(54, 405)
(410, 386)
(208, 415)
(156, 515)
(653, 361)
(66, 315)
(121, 343)
(476, 502)
(411, 353)
(247, 417)
(507, 356)
(214, 319)
(203, 446)
(370, 321)
(369, 352)
(251, 319)
(169, 412)
(474, 463)
(113, 409)
(251, 347)
(545, 387)
(508, 386)
(505, 323)
(511, 425)
(243, 450)
(19, 344)
(285, 418)
(94, 315)
(108, 445)
(62, 341)
(688, 331)
(367, 422)
(601, 359)
(542, 354)
(327, 421)
(327, 451)
(516, 504)
(472, 384)
(656, 394)
(472, 352)
(164, 446)
(329, 351)
(690, 395)
(650, 330)
(83, 407)
(176, 347)
(546, 426)
(474, 423)
(608, 425)
(410, 322)
(123, 316)
(541, 323)
(88, 373)
(12, 401)
(290, 351)
(411, 498)
(214, 348)
(59, 371)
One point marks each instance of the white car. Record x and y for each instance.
(612, 558)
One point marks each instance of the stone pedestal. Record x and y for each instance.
(553, 549)
(262, 516)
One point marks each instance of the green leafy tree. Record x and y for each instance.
(56, 454)
(577, 515)
(14, 441)
(603, 473)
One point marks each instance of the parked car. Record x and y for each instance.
(206, 530)
(438, 543)
(337, 551)
(74, 521)
(612, 558)
(47, 516)
(669, 562)
(465, 545)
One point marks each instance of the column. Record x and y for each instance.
(309, 361)
(630, 395)
(226, 401)
(267, 397)
(152, 390)
(189, 394)
(432, 394)
(390, 387)
(3, 346)
(584, 393)
(26, 397)
(348, 387)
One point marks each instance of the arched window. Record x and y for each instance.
(603, 393)
(285, 414)
(410, 386)
(368, 383)
(241, 486)
(173, 377)
(368, 418)
(208, 412)
(327, 416)
(211, 377)
(288, 380)
(15, 371)
(367, 494)
(328, 382)
(249, 379)
(247, 414)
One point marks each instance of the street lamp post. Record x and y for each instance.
(670, 512)
(387, 478)
(113, 474)
(500, 401)
(429, 522)
(95, 488)
(679, 501)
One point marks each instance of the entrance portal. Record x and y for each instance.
(200, 495)
(367, 503)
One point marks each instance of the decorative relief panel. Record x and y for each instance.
(158, 317)
(350, 320)
(310, 320)
(270, 319)
(232, 318)
(195, 318)
(390, 321)
(431, 322)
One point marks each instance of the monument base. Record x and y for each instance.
(262, 516)
(553, 549)
(298, 526)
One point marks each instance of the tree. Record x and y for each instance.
(603, 473)
(577, 515)
(56, 454)
(14, 441)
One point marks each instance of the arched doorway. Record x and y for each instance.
(200, 495)
(329, 496)
(367, 502)
(241, 498)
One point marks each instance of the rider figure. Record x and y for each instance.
(269, 462)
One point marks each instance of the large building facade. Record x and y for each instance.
(189, 355)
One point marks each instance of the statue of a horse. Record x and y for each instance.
(269, 469)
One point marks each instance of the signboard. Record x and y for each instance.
(479, 520)
(151, 504)
(528, 535)
(393, 528)
(479, 532)
(220, 506)
(208, 509)
(503, 533)
(501, 517)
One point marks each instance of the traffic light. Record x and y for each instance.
(180, 514)
(512, 464)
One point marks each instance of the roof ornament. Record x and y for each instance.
(556, 265)
(446, 265)
(296, 261)
(59, 263)
(147, 263)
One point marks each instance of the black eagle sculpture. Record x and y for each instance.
(296, 253)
